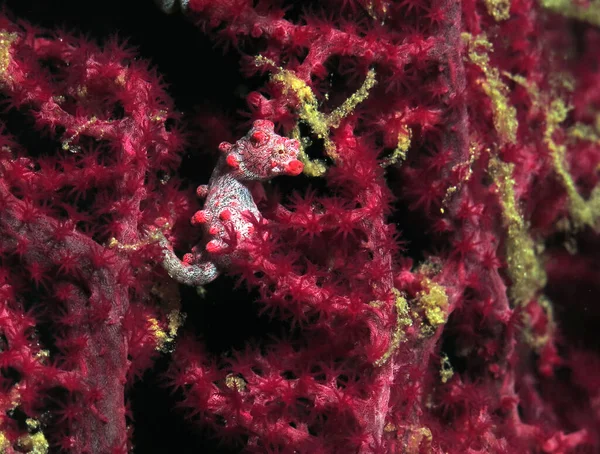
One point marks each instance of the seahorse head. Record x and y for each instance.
(262, 154)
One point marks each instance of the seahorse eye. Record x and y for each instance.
(278, 153)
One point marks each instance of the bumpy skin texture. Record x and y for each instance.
(229, 206)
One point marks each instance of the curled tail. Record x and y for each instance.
(198, 273)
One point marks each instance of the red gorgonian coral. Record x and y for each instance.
(427, 285)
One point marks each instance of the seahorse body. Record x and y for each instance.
(259, 156)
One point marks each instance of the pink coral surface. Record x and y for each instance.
(428, 284)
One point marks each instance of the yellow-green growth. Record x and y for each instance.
(4, 443)
(473, 154)
(571, 8)
(399, 153)
(403, 320)
(505, 115)
(66, 145)
(334, 118)
(524, 268)
(377, 9)
(312, 167)
(581, 131)
(498, 9)
(308, 111)
(6, 40)
(34, 443)
(164, 338)
(434, 302)
(43, 356)
(446, 371)
(583, 213)
(39, 444)
(235, 382)
(419, 440)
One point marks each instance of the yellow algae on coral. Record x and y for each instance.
(584, 132)
(34, 443)
(434, 302)
(505, 115)
(163, 338)
(234, 382)
(498, 9)
(418, 437)
(4, 443)
(159, 334)
(588, 13)
(6, 41)
(348, 106)
(583, 213)
(468, 165)
(399, 153)
(402, 321)
(524, 267)
(446, 371)
(377, 10)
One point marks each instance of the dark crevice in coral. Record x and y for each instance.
(315, 148)
(227, 318)
(450, 349)
(573, 288)
(417, 240)
(54, 67)
(10, 376)
(19, 416)
(20, 125)
(159, 429)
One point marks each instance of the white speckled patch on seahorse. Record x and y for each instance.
(259, 156)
